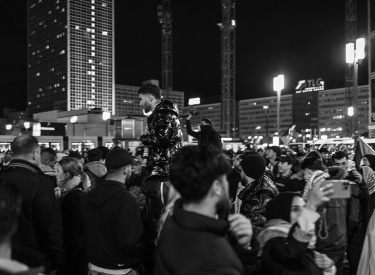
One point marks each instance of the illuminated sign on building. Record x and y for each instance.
(311, 85)
(194, 101)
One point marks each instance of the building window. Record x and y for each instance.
(62, 52)
(37, 74)
(105, 33)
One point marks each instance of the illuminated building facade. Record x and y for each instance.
(70, 55)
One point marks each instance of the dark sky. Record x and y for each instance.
(301, 39)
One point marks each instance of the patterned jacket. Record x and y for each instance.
(163, 137)
(254, 198)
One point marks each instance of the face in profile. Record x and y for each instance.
(145, 102)
(224, 205)
(297, 204)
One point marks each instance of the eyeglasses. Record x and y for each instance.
(340, 164)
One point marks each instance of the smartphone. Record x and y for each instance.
(341, 189)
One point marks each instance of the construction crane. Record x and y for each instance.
(350, 37)
(228, 72)
(165, 19)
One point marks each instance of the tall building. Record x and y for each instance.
(333, 111)
(258, 117)
(371, 64)
(70, 55)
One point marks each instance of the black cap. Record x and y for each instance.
(285, 158)
(119, 158)
(276, 149)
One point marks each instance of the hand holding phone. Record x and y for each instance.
(341, 189)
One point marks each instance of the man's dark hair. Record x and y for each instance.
(104, 151)
(314, 154)
(49, 151)
(24, 145)
(151, 89)
(339, 155)
(207, 120)
(94, 155)
(194, 169)
(10, 208)
(312, 163)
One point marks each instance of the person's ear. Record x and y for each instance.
(216, 188)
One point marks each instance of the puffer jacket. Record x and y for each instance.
(254, 198)
(163, 137)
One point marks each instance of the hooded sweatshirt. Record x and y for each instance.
(114, 227)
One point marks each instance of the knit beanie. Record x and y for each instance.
(253, 166)
(280, 207)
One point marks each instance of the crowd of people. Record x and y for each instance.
(174, 209)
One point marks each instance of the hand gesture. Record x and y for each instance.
(188, 117)
(241, 229)
(319, 194)
(357, 175)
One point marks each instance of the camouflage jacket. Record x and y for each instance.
(163, 137)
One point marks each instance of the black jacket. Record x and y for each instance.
(207, 135)
(114, 227)
(163, 137)
(73, 208)
(190, 243)
(39, 236)
(289, 256)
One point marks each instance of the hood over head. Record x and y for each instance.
(103, 191)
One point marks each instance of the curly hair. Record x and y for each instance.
(151, 89)
(195, 168)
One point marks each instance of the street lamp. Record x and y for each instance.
(278, 85)
(27, 125)
(106, 117)
(354, 57)
(73, 120)
(8, 127)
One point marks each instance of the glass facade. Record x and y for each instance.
(71, 53)
(305, 111)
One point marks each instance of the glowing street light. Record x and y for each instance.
(106, 117)
(8, 127)
(354, 56)
(278, 85)
(27, 125)
(74, 120)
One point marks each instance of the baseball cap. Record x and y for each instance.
(276, 149)
(119, 158)
(285, 158)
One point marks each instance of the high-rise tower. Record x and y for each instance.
(228, 69)
(70, 55)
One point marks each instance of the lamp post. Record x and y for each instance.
(354, 56)
(73, 120)
(106, 117)
(278, 85)
(8, 127)
(27, 125)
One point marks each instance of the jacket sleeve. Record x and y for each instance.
(255, 209)
(49, 221)
(129, 228)
(190, 131)
(216, 140)
(166, 133)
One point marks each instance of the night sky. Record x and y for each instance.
(301, 39)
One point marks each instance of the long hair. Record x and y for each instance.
(173, 195)
(75, 168)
